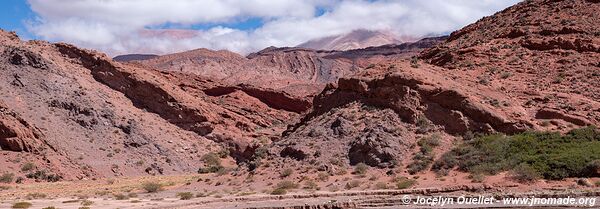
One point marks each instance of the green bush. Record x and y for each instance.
(551, 155)
(404, 183)
(22, 205)
(185, 195)
(425, 156)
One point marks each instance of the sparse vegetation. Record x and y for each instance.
(152, 187)
(322, 176)
(43, 175)
(310, 184)
(51, 207)
(286, 172)
(279, 191)
(282, 187)
(381, 185)
(352, 184)
(404, 183)
(524, 173)
(477, 178)
(361, 169)
(7, 177)
(37, 195)
(27, 166)
(425, 156)
(531, 154)
(212, 163)
(22, 205)
(505, 75)
(121, 197)
(87, 202)
(414, 62)
(185, 195)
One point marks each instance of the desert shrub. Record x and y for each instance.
(505, 75)
(279, 191)
(361, 169)
(7, 177)
(212, 163)
(524, 173)
(477, 177)
(84, 207)
(352, 184)
(414, 62)
(286, 172)
(425, 156)
(185, 195)
(51, 207)
(551, 155)
(43, 175)
(121, 197)
(287, 185)
(87, 202)
(423, 125)
(152, 187)
(310, 184)
(2, 187)
(322, 176)
(223, 153)
(381, 185)
(404, 183)
(22, 205)
(37, 195)
(27, 166)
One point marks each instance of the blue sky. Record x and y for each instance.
(244, 26)
(14, 14)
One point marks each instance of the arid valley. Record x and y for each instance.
(503, 107)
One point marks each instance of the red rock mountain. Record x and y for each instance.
(298, 71)
(79, 114)
(533, 66)
(356, 39)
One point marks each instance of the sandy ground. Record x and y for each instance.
(102, 193)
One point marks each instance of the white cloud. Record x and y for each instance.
(121, 26)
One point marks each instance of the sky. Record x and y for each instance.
(243, 26)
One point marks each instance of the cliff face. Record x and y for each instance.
(533, 66)
(545, 54)
(78, 114)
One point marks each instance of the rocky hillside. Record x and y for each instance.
(297, 71)
(492, 76)
(543, 54)
(76, 114)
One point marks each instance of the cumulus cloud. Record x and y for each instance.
(130, 26)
